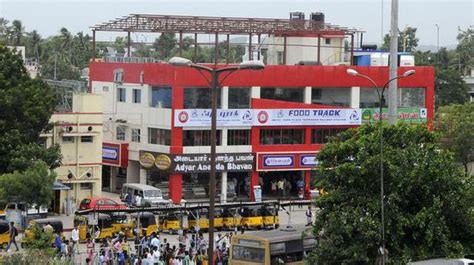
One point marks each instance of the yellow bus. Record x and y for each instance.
(280, 246)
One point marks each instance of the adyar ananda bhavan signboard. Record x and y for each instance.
(267, 117)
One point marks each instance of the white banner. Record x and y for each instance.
(267, 117)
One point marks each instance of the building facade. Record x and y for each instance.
(79, 134)
(271, 124)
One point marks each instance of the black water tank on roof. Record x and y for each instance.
(317, 19)
(369, 47)
(296, 16)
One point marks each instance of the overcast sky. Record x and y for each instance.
(49, 16)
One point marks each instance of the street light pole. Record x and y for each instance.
(214, 84)
(437, 43)
(382, 191)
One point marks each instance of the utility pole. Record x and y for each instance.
(392, 90)
(437, 43)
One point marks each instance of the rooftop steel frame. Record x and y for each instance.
(220, 25)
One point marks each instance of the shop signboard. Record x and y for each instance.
(286, 161)
(267, 117)
(196, 163)
(115, 154)
(406, 115)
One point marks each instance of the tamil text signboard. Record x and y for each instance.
(267, 117)
(406, 115)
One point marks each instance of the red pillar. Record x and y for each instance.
(253, 182)
(307, 183)
(176, 187)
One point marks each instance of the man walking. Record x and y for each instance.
(309, 217)
(75, 238)
(13, 234)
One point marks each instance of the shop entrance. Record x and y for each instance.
(106, 175)
(290, 180)
(240, 183)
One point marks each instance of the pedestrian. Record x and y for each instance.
(309, 216)
(288, 187)
(274, 187)
(281, 187)
(57, 242)
(13, 233)
(48, 228)
(90, 251)
(75, 238)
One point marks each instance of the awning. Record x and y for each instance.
(59, 186)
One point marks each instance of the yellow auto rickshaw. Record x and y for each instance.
(4, 234)
(101, 230)
(251, 217)
(147, 225)
(270, 217)
(171, 222)
(230, 219)
(30, 232)
(120, 223)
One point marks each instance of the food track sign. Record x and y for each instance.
(188, 118)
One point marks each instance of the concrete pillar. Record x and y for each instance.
(355, 97)
(176, 187)
(142, 176)
(253, 182)
(255, 92)
(307, 95)
(225, 97)
(224, 187)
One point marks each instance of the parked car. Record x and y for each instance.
(100, 203)
(151, 196)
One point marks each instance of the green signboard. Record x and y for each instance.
(407, 115)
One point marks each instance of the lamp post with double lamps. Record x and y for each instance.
(214, 84)
(381, 99)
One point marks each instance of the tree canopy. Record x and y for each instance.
(427, 207)
(407, 40)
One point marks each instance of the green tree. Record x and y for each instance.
(456, 125)
(450, 87)
(32, 186)
(119, 45)
(465, 50)
(407, 40)
(165, 45)
(427, 211)
(26, 106)
(17, 31)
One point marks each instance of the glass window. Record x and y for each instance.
(239, 98)
(161, 97)
(68, 139)
(336, 96)
(248, 254)
(159, 136)
(279, 58)
(200, 138)
(411, 97)
(135, 135)
(105, 89)
(87, 139)
(327, 40)
(118, 76)
(293, 94)
(122, 95)
(121, 130)
(238, 137)
(369, 97)
(199, 98)
(321, 135)
(282, 136)
(137, 96)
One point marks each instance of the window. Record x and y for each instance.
(321, 135)
(121, 130)
(238, 137)
(279, 58)
(137, 96)
(199, 98)
(161, 97)
(68, 139)
(241, 253)
(411, 97)
(293, 94)
(105, 89)
(239, 98)
(282, 136)
(159, 136)
(336, 96)
(135, 135)
(327, 41)
(87, 139)
(118, 76)
(369, 97)
(88, 186)
(200, 138)
(122, 95)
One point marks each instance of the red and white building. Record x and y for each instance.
(150, 106)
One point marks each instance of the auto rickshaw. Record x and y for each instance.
(147, 225)
(120, 223)
(103, 229)
(199, 220)
(41, 223)
(4, 234)
(230, 219)
(171, 222)
(270, 217)
(250, 217)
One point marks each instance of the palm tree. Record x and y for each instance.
(17, 32)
